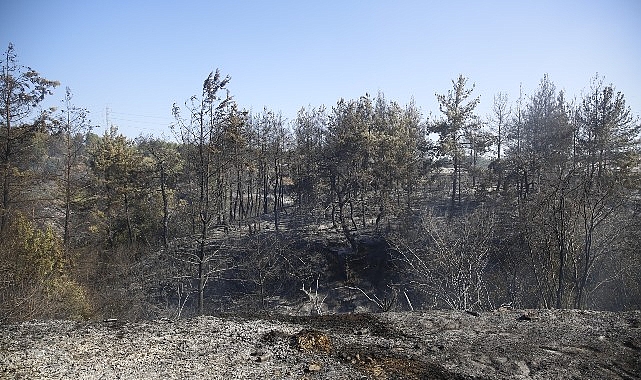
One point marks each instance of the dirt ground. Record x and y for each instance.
(511, 344)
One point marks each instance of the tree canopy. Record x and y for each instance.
(536, 204)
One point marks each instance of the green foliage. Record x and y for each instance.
(458, 128)
(37, 280)
(121, 212)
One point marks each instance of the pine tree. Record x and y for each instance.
(458, 108)
(202, 130)
(21, 90)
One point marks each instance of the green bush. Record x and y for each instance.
(36, 272)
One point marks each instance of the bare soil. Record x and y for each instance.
(510, 344)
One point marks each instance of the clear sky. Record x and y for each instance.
(139, 57)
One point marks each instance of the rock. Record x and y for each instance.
(524, 317)
(363, 331)
(261, 356)
(314, 367)
(525, 370)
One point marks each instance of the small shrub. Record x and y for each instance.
(36, 282)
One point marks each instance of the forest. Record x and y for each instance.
(363, 205)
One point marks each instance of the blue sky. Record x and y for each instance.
(139, 57)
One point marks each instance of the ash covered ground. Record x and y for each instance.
(510, 344)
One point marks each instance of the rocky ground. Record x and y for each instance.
(511, 344)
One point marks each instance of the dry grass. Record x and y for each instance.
(313, 340)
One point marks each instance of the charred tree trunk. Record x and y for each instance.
(165, 205)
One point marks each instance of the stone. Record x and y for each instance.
(314, 367)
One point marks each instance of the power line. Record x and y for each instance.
(142, 121)
(138, 115)
(107, 126)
